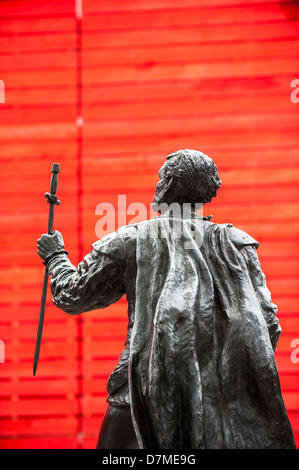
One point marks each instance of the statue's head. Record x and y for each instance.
(187, 176)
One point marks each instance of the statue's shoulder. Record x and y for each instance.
(238, 237)
(109, 242)
(128, 233)
(114, 239)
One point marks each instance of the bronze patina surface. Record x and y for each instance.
(198, 369)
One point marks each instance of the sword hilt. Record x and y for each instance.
(51, 196)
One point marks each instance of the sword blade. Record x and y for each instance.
(41, 320)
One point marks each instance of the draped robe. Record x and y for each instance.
(198, 368)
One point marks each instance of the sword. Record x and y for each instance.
(52, 200)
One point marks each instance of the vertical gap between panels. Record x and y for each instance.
(79, 125)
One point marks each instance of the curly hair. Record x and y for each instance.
(187, 176)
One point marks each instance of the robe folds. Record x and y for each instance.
(198, 368)
(202, 366)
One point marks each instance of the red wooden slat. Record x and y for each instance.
(172, 140)
(39, 96)
(41, 24)
(154, 71)
(118, 5)
(199, 14)
(16, 407)
(58, 441)
(37, 427)
(32, 8)
(189, 34)
(183, 108)
(46, 42)
(209, 51)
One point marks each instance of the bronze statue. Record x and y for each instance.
(198, 368)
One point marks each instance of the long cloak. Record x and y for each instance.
(202, 371)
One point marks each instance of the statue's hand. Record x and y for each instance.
(50, 244)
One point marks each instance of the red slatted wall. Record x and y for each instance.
(147, 77)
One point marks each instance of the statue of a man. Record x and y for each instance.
(198, 368)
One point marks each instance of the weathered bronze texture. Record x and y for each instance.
(198, 369)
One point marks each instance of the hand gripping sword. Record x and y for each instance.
(52, 200)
